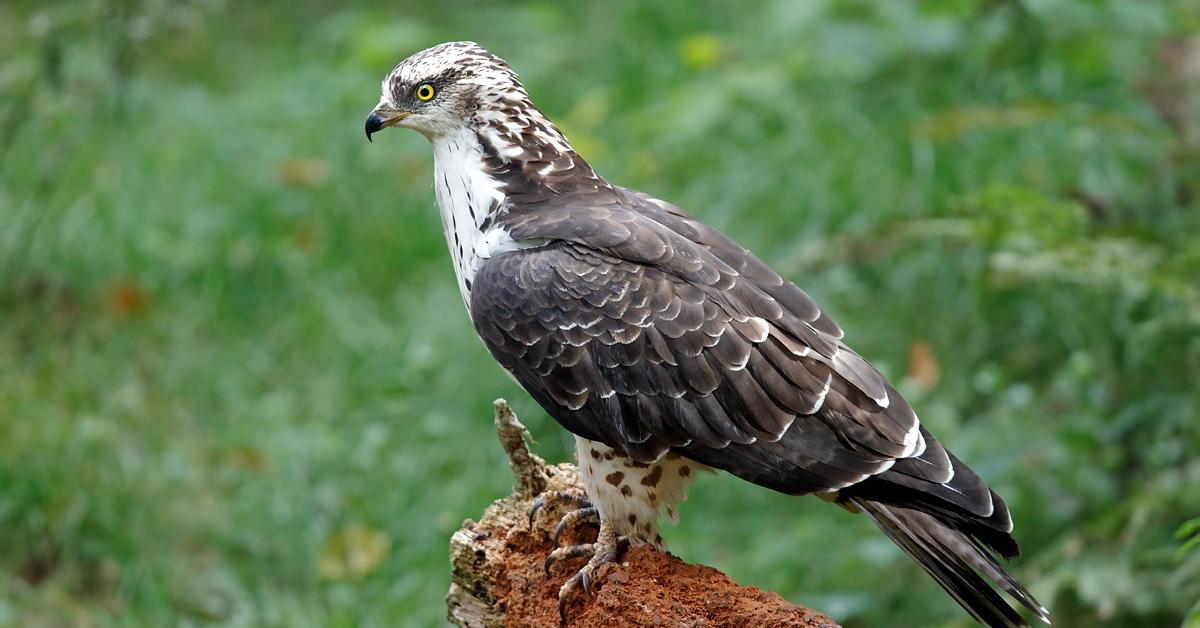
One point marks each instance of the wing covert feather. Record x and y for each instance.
(641, 359)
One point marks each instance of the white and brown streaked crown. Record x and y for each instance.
(484, 94)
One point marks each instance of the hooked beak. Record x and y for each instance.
(383, 116)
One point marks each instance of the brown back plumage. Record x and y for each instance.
(644, 329)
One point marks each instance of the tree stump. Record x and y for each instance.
(498, 577)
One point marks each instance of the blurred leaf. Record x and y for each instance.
(353, 552)
(127, 298)
(949, 124)
(923, 366)
(302, 171)
(1189, 533)
(1022, 218)
(703, 50)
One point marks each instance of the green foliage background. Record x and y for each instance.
(237, 385)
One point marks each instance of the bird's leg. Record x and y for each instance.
(586, 513)
(605, 550)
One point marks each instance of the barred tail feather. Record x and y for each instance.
(957, 562)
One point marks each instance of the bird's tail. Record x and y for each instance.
(959, 563)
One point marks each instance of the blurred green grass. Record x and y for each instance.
(231, 351)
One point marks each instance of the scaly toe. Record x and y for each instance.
(572, 519)
(571, 551)
(577, 497)
(605, 550)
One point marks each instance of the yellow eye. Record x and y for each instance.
(424, 92)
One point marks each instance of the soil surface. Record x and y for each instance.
(646, 588)
(502, 560)
(499, 578)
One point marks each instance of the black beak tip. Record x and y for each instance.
(374, 123)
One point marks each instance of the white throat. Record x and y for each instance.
(466, 195)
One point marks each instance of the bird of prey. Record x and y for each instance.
(667, 348)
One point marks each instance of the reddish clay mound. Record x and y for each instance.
(499, 580)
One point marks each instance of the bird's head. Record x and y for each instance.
(444, 89)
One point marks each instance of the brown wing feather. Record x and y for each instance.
(642, 328)
(672, 333)
(635, 357)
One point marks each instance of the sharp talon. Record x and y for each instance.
(549, 561)
(538, 504)
(586, 581)
(543, 500)
(558, 530)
